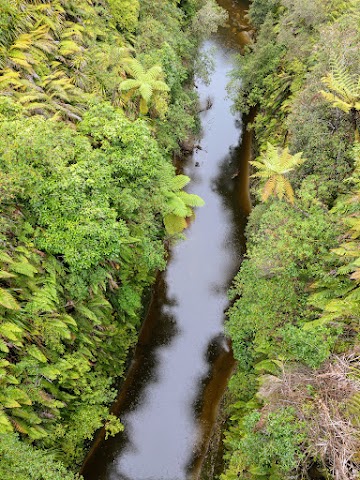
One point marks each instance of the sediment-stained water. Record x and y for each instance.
(170, 398)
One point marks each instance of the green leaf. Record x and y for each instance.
(10, 403)
(191, 199)
(176, 206)
(7, 300)
(3, 347)
(23, 267)
(4, 274)
(36, 353)
(266, 366)
(4, 257)
(5, 425)
(11, 331)
(129, 84)
(50, 372)
(258, 471)
(179, 182)
(174, 224)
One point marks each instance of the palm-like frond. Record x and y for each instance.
(149, 83)
(134, 68)
(273, 166)
(179, 182)
(146, 91)
(153, 73)
(344, 88)
(174, 224)
(179, 205)
(129, 84)
(190, 199)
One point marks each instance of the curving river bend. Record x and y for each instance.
(170, 399)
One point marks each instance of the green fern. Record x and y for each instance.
(145, 83)
(178, 182)
(174, 224)
(353, 409)
(179, 205)
(273, 166)
(346, 87)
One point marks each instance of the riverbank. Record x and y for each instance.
(293, 409)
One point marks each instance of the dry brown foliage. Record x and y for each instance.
(322, 399)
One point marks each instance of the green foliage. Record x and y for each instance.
(113, 426)
(285, 252)
(179, 205)
(273, 166)
(20, 461)
(339, 299)
(207, 19)
(346, 88)
(145, 84)
(295, 298)
(260, 9)
(257, 68)
(345, 92)
(86, 188)
(125, 13)
(269, 446)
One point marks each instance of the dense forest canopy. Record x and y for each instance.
(294, 321)
(96, 97)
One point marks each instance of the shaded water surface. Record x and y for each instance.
(170, 398)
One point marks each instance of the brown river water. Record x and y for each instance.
(182, 363)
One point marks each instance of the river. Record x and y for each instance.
(170, 399)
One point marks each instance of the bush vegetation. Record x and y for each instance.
(96, 97)
(294, 321)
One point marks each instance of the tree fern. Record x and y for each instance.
(7, 300)
(146, 84)
(344, 91)
(179, 205)
(346, 87)
(273, 166)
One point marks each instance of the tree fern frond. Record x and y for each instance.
(35, 352)
(289, 192)
(69, 47)
(160, 86)
(268, 189)
(134, 67)
(344, 88)
(7, 300)
(273, 165)
(191, 199)
(179, 182)
(174, 224)
(146, 92)
(176, 206)
(336, 101)
(154, 73)
(11, 331)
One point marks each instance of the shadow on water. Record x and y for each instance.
(158, 330)
(182, 363)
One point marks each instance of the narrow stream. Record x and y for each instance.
(182, 363)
